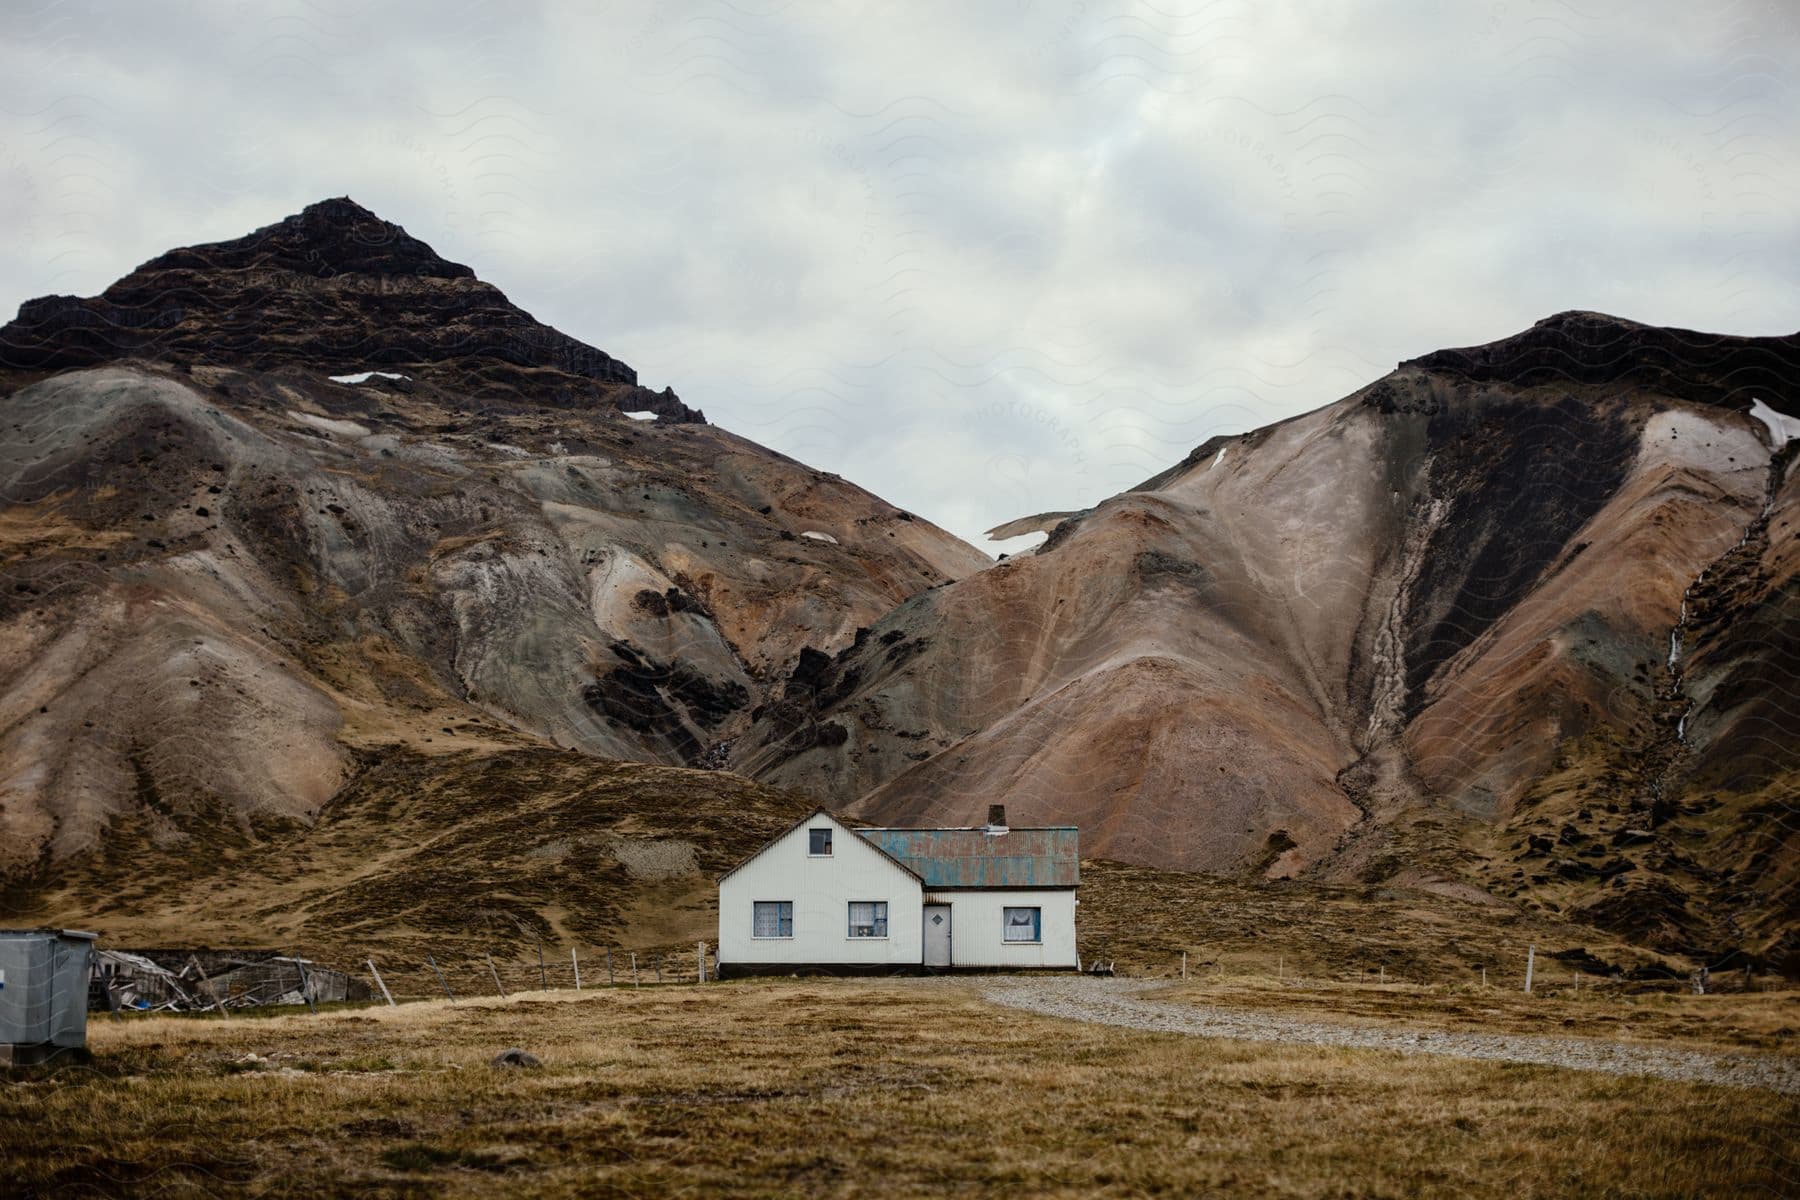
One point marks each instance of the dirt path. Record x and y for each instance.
(1117, 1002)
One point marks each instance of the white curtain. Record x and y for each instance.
(774, 918)
(868, 918)
(1022, 924)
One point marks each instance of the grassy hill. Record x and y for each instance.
(470, 853)
(455, 855)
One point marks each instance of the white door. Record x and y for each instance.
(937, 935)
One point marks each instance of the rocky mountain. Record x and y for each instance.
(279, 508)
(320, 560)
(1517, 623)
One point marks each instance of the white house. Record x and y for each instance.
(827, 896)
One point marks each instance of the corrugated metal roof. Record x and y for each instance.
(975, 858)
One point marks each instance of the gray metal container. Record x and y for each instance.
(43, 991)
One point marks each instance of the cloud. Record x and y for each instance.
(984, 259)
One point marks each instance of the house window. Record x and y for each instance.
(868, 918)
(818, 843)
(774, 919)
(1024, 925)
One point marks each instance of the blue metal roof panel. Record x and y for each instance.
(975, 858)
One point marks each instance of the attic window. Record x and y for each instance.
(1024, 925)
(818, 843)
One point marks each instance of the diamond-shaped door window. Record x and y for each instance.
(938, 920)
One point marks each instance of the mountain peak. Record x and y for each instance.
(1579, 347)
(332, 237)
(340, 209)
(332, 289)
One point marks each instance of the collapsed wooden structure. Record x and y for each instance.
(196, 980)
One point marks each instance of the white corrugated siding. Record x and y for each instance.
(977, 925)
(821, 890)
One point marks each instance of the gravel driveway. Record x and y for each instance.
(1117, 1002)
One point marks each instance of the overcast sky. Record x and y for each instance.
(983, 259)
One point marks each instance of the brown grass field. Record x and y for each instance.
(810, 1087)
(822, 1087)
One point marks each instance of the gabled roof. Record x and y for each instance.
(976, 858)
(839, 821)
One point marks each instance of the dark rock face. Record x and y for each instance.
(334, 290)
(1519, 481)
(819, 683)
(332, 237)
(667, 701)
(1593, 348)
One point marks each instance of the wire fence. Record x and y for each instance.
(311, 979)
(407, 977)
(1532, 970)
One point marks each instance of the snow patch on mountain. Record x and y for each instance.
(1782, 429)
(365, 376)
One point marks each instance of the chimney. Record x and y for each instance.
(997, 817)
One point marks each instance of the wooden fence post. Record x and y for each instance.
(496, 974)
(1184, 964)
(700, 960)
(1530, 962)
(609, 970)
(381, 985)
(444, 983)
(634, 978)
(577, 963)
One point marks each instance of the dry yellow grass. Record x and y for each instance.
(843, 1088)
(1145, 918)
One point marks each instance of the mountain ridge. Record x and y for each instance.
(1514, 623)
(1579, 346)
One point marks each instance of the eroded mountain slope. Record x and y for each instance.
(223, 572)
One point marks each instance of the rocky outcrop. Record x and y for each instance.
(333, 290)
(1593, 349)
